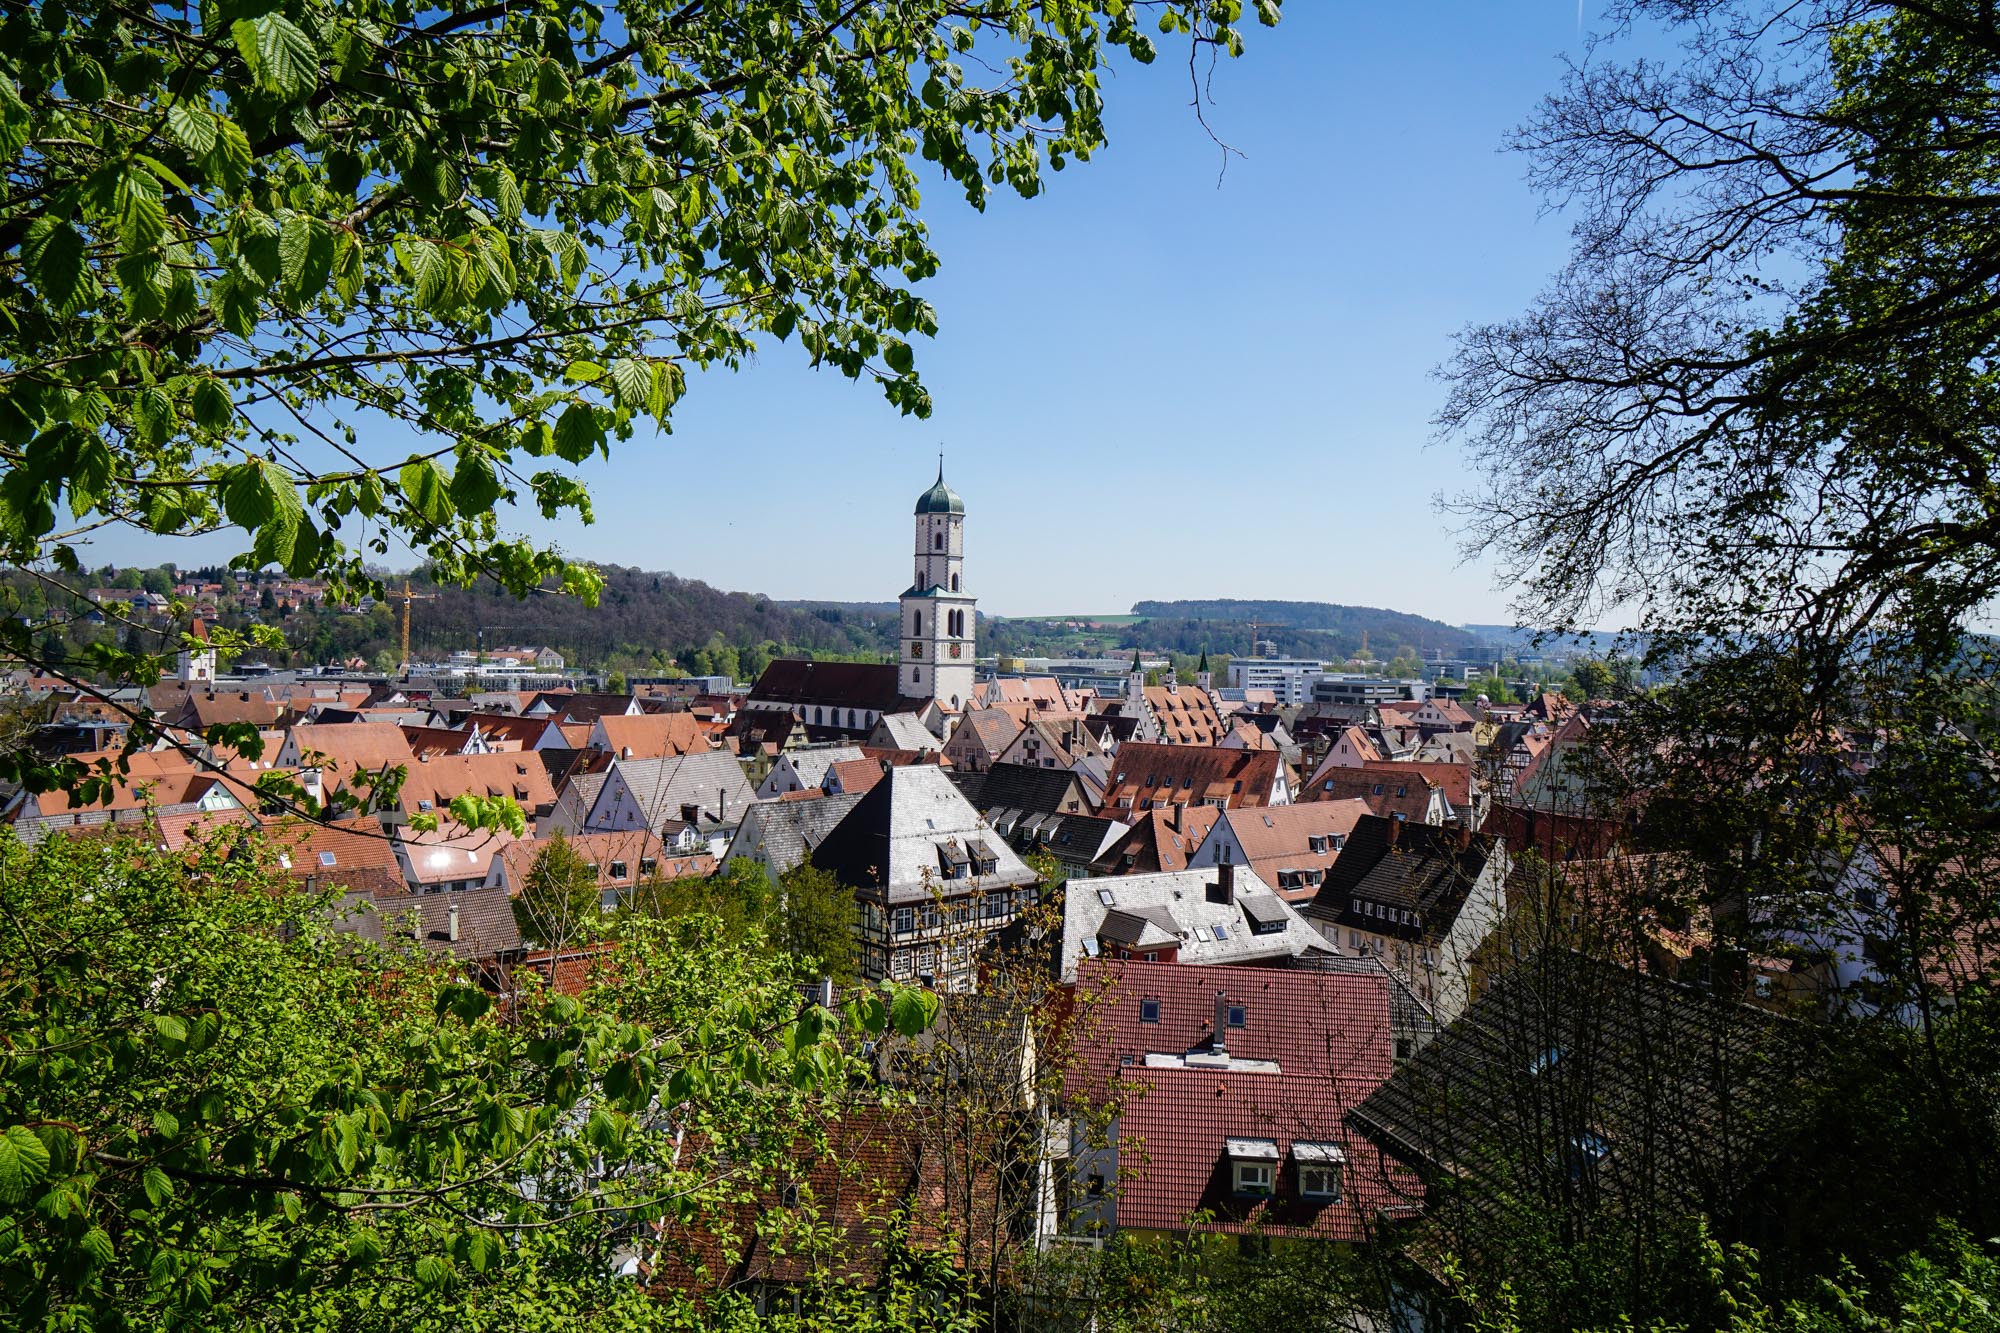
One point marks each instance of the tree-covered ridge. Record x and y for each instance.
(1386, 629)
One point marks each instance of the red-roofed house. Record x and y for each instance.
(1230, 1089)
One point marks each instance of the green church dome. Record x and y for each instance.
(940, 498)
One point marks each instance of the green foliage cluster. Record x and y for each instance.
(215, 1110)
(807, 917)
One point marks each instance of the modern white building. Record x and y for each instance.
(1290, 678)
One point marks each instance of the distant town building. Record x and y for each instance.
(1290, 678)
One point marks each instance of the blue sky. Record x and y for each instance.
(1149, 384)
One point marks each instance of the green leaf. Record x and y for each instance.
(24, 1163)
(170, 1027)
(305, 254)
(193, 128)
(429, 494)
(474, 484)
(282, 59)
(483, 1250)
(261, 497)
(583, 372)
(577, 433)
(228, 162)
(912, 1010)
(633, 381)
(55, 253)
(213, 407)
(433, 1272)
(17, 123)
(85, 81)
(364, 1246)
(142, 216)
(348, 269)
(96, 1243)
(156, 1184)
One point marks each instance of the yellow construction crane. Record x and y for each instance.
(408, 598)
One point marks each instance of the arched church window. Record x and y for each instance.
(917, 625)
(916, 675)
(954, 583)
(937, 541)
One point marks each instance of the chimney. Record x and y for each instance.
(722, 805)
(451, 922)
(1179, 815)
(1464, 835)
(690, 812)
(1219, 1042)
(624, 752)
(1395, 830)
(1223, 891)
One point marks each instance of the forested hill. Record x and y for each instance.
(1386, 629)
(645, 615)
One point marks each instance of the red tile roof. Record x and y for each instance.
(654, 735)
(1327, 1033)
(1195, 774)
(1161, 839)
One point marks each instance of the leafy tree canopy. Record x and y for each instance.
(237, 237)
(215, 1110)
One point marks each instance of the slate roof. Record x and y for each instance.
(908, 732)
(785, 832)
(889, 843)
(1183, 896)
(486, 926)
(1019, 787)
(811, 765)
(662, 786)
(1423, 872)
(876, 686)
(1562, 1046)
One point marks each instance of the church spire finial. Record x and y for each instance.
(940, 467)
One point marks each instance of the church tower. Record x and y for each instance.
(938, 617)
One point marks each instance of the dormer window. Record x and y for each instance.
(1319, 1166)
(1253, 1166)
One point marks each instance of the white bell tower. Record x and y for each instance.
(939, 619)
